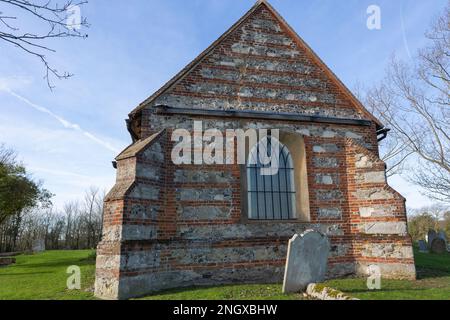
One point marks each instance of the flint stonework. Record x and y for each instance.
(384, 228)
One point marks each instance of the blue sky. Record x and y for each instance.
(135, 46)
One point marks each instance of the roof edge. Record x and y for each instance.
(250, 114)
(179, 76)
(321, 63)
(198, 59)
(135, 148)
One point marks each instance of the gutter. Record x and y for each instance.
(384, 131)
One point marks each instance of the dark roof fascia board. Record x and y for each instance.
(259, 115)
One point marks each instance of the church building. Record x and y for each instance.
(172, 225)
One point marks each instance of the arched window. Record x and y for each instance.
(271, 192)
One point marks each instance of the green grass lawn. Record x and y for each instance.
(43, 276)
(433, 282)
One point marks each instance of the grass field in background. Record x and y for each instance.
(43, 276)
(433, 282)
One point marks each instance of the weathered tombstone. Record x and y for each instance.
(438, 246)
(38, 245)
(430, 237)
(306, 262)
(423, 246)
(442, 235)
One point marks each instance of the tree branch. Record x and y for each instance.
(56, 17)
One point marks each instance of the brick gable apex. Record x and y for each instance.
(260, 64)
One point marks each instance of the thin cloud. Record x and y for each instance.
(65, 123)
(76, 179)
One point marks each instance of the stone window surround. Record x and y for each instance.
(296, 145)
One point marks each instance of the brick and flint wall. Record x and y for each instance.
(172, 225)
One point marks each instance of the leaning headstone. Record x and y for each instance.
(306, 262)
(38, 245)
(442, 235)
(423, 246)
(430, 237)
(438, 246)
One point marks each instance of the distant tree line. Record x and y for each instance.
(436, 217)
(27, 213)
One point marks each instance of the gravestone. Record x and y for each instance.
(430, 237)
(306, 262)
(442, 235)
(38, 245)
(423, 246)
(7, 261)
(438, 246)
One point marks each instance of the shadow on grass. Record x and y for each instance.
(427, 273)
(234, 291)
(57, 263)
(23, 273)
(431, 265)
(350, 291)
(186, 290)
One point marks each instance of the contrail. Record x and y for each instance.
(405, 40)
(66, 124)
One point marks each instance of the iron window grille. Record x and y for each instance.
(271, 197)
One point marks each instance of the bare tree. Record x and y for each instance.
(54, 19)
(93, 207)
(70, 211)
(392, 151)
(414, 101)
(77, 226)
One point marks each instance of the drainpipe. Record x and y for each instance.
(384, 131)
